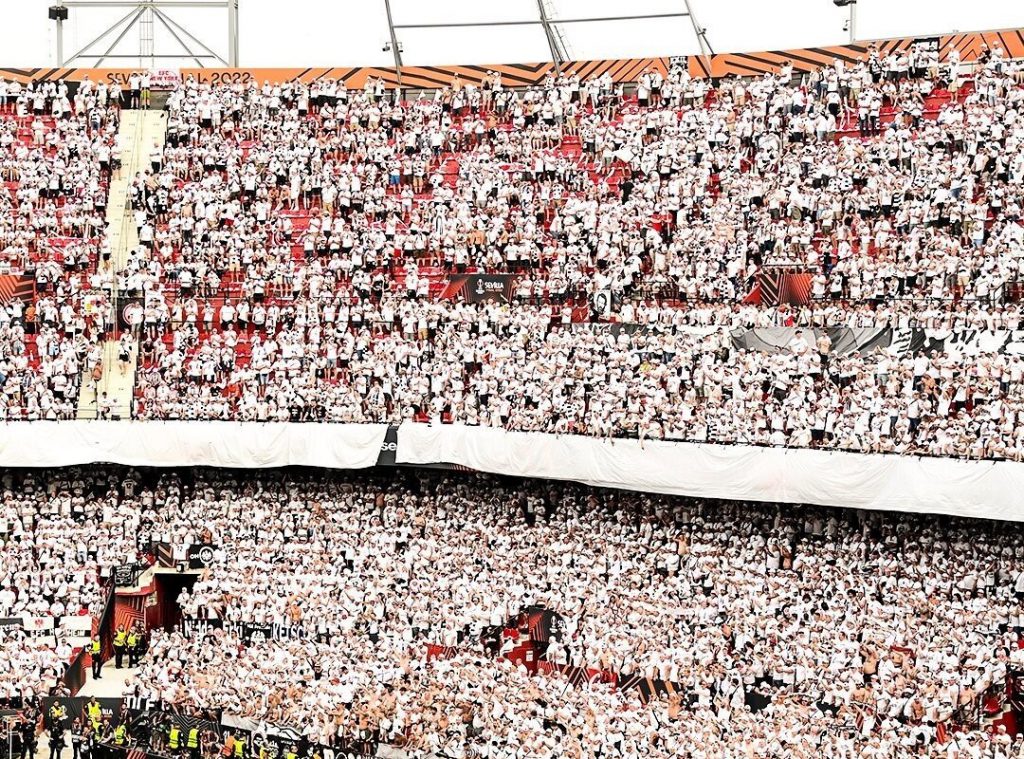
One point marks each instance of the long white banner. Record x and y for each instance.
(220, 444)
(992, 490)
(987, 489)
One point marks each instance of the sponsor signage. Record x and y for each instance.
(200, 555)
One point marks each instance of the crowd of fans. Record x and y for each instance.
(57, 152)
(295, 237)
(518, 369)
(60, 537)
(783, 631)
(293, 242)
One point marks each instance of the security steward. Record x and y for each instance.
(120, 640)
(58, 717)
(96, 654)
(133, 648)
(94, 712)
(121, 734)
(193, 743)
(174, 739)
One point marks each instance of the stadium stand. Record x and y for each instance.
(302, 243)
(650, 276)
(446, 614)
(57, 155)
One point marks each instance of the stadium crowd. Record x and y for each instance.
(57, 153)
(295, 238)
(784, 631)
(61, 534)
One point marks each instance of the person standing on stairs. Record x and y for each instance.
(145, 82)
(124, 352)
(134, 648)
(134, 89)
(120, 641)
(96, 654)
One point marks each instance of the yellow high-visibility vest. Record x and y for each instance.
(119, 638)
(119, 734)
(193, 738)
(174, 737)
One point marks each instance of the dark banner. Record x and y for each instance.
(275, 741)
(480, 288)
(389, 448)
(784, 339)
(389, 453)
(967, 342)
(610, 328)
(249, 632)
(125, 575)
(204, 721)
(899, 342)
(196, 628)
(200, 555)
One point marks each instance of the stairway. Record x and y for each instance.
(139, 132)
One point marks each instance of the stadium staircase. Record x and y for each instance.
(139, 133)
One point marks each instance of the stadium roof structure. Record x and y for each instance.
(378, 33)
(967, 46)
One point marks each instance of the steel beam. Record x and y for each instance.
(702, 33)
(538, 22)
(186, 48)
(138, 15)
(137, 3)
(395, 49)
(192, 37)
(233, 33)
(103, 34)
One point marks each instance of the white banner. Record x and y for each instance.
(987, 489)
(221, 444)
(992, 490)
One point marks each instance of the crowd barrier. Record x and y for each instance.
(968, 488)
